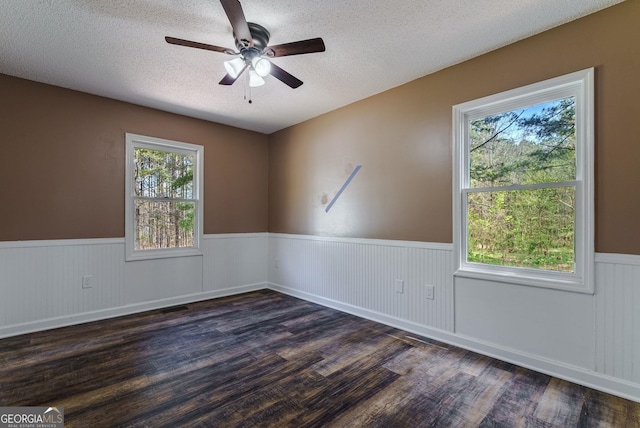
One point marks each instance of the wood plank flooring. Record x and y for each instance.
(264, 359)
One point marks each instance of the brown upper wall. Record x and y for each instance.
(402, 138)
(62, 157)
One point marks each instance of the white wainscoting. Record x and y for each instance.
(234, 261)
(547, 323)
(592, 340)
(618, 316)
(41, 281)
(361, 274)
(41, 288)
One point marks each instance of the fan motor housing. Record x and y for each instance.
(260, 36)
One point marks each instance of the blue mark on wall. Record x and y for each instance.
(344, 186)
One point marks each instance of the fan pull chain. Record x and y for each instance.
(246, 85)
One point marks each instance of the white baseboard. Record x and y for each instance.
(578, 375)
(64, 321)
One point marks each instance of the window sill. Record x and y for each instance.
(528, 277)
(163, 254)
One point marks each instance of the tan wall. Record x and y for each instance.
(402, 139)
(62, 152)
(62, 157)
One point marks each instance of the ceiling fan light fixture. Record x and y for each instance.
(254, 79)
(262, 66)
(252, 43)
(234, 67)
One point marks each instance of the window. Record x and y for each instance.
(523, 185)
(163, 198)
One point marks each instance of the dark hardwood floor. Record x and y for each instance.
(264, 359)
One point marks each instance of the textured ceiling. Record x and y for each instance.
(116, 48)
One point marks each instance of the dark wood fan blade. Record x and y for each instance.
(285, 77)
(234, 12)
(198, 45)
(296, 48)
(228, 80)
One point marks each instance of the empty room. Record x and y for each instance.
(305, 214)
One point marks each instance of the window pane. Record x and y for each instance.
(534, 144)
(523, 228)
(160, 174)
(163, 224)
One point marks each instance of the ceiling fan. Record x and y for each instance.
(253, 51)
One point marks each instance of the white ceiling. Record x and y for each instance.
(116, 48)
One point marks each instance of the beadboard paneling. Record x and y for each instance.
(553, 324)
(363, 273)
(234, 260)
(42, 280)
(41, 287)
(618, 316)
(159, 279)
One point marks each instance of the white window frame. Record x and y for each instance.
(579, 85)
(134, 141)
